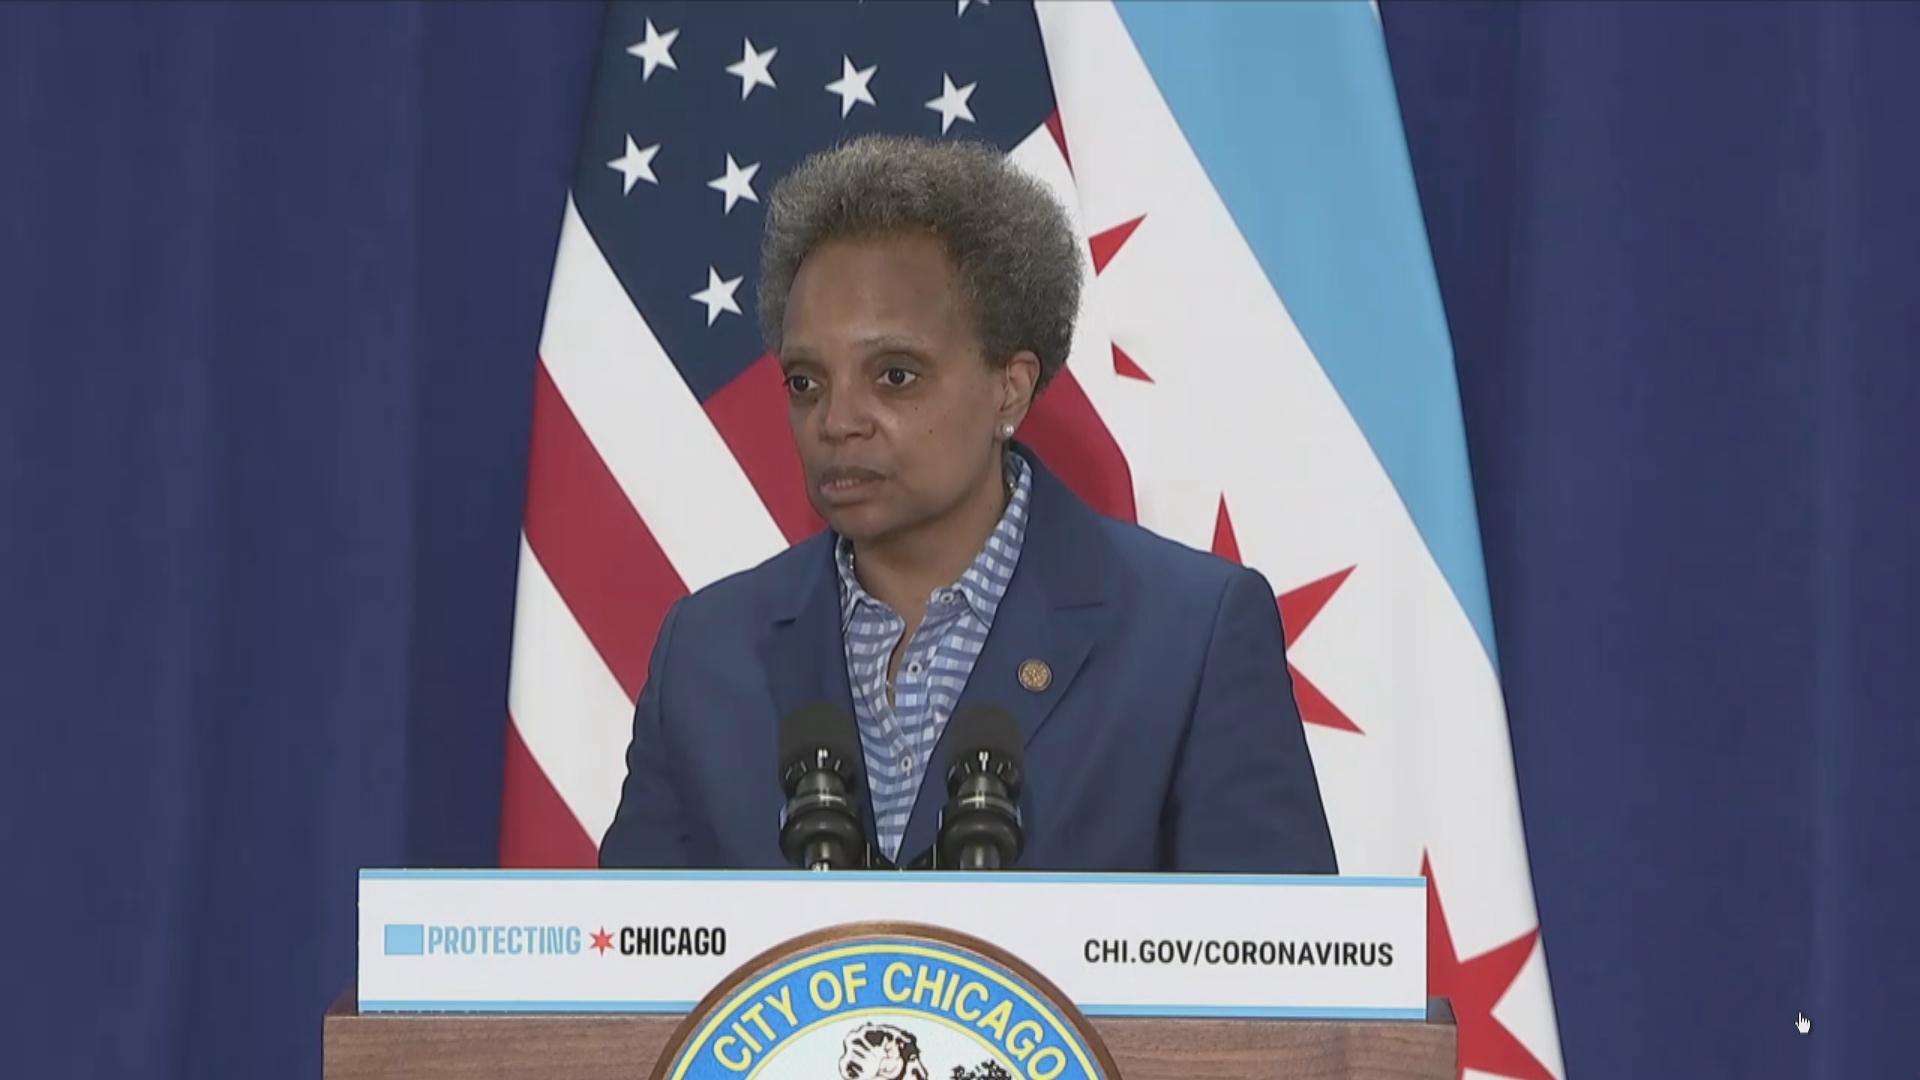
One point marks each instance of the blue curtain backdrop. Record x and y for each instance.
(271, 279)
(1679, 247)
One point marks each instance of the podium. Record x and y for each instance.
(602, 1047)
(580, 974)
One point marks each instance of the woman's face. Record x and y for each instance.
(893, 405)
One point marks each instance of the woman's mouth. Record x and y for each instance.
(845, 483)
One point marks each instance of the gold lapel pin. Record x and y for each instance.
(1036, 676)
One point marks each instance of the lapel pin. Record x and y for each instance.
(1036, 676)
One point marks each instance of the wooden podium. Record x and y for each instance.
(605, 1047)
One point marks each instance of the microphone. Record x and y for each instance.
(980, 826)
(820, 774)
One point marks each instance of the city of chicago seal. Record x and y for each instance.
(885, 1002)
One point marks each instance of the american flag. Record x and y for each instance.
(1192, 403)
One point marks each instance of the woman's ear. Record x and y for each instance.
(1018, 380)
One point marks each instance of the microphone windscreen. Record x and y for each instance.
(817, 726)
(989, 728)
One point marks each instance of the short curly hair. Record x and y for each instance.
(1012, 247)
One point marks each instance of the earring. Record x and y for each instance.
(1006, 431)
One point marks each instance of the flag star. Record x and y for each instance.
(852, 85)
(1298, 608)
(1476, 985)
(737, 184)
(952, 103)
(718, 295)
(753, 68)
(636, 164)
(965, 3)
(657, 50)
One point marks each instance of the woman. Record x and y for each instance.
(919, 295)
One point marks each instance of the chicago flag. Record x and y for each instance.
(1261, 369)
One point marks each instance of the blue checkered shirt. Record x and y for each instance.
(898, 735)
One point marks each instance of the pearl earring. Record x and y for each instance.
(1006, 431)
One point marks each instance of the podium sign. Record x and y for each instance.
(1166, 945)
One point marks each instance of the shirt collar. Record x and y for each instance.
(982, 587)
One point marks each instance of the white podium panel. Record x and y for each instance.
(1117, 944)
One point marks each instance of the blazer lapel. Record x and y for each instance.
(1054, 611)
(806, 656)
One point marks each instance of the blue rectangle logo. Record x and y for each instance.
(406, 939)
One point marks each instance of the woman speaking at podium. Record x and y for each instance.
(918, 296)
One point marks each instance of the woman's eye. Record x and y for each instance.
(799, 384)
(899, 377)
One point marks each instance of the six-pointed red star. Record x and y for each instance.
(1475, 986)
(1298, 608)
(602, 941)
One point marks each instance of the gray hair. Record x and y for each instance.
(1012, 248)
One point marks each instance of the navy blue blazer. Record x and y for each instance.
(1168, 738)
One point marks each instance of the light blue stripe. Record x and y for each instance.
(1290, 108)
(897, 878)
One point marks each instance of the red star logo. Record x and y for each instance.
(602, 941)
(1298, 608)
(1475, 986)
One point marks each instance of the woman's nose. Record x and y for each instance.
(845, 414)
